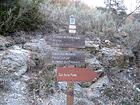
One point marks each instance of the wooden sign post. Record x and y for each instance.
(69, 58)
(70, 86)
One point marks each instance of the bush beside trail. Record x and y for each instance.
(18, 15)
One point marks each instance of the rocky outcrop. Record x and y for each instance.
(115, 56)
(13, 62)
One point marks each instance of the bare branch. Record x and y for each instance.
(128, 16)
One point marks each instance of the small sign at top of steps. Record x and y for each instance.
(72, 26)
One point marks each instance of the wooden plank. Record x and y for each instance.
(71, 74)
(75, 41)
(68, 57)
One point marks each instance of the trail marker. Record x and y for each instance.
(72, 27)
(70, 74)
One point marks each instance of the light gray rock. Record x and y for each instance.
(58, 99)
(95, 89)
(91, 44)
(137, 87)
(83, 101)
(14, 62)
(15, 99)
(77, 89)
(112, 56)
(18, 87)
(94, 63)
(40, 52)
(37, 45)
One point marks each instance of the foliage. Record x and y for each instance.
(19, 15)
(97, 20)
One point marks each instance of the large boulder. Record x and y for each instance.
(13, 62)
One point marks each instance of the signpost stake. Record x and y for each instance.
(70, 93)
(70, 87)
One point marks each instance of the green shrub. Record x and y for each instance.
(19, 15)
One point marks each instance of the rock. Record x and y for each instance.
(14, 62)
(137, 87)
(21, 37)
(37, 45)
(18, 87)
(136, 51)
(82, 101)
(15, 99)
(112, 57)
(93, 43)
(108, 43)
(46, 102)
(17, 93)
(77, 89)
(19, 40)
(4, 43)
(40, 52)
(95, 90)
(58, 99)
(94, 63)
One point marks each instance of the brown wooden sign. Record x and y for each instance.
(70, 74)
(68, 57)
(74, 41)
